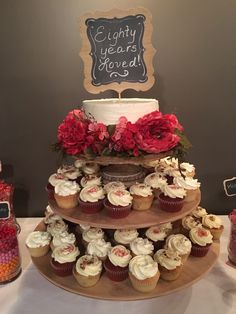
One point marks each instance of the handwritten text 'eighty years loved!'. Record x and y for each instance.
(117, 50)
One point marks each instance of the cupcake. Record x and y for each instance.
(64, 258)
(99, 248)
(70, 172)
(189, 222)
(92, 234)
(79, 163)
(169, 263)
(38, 243)
(140, 246)
(114, 185)
(118, 203)
(87, 270)
(167, 163)
(143, 273)
(116, 264)
(66, 194)
(189, 184)
(57, 226)
(172, 198)
(51, 218)
(62, 238)
(125, 236)
(158, 233)
(90, 168)
(80, 228)
(91, 199)
(155, 180)
(187, 169)
(199, 213)
(53, 180)
(180, 244)
(214, 224)
(142, 196)
(201, 239)
(90, 180)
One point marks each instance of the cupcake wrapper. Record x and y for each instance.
(66, 202)
(116, 212)
(199, 251)
(170, 204)
(50, 191)
(170, 275)
(39, 251)
(91, 208)
(142, 203)
(85, 281)
(116, 273)
(145, 285)
(62, 270)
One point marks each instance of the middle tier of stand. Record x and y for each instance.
(136, 219)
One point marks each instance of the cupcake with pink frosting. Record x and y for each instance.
(201, 239)
(118, 203)
(172, 198)
(91, 199)
(66, 194)
(142, 196)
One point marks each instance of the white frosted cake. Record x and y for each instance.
(108, 111)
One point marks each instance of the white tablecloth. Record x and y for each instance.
(32, 294)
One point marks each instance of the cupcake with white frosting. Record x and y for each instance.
(87, 270)
(116, 264)
(172, 198)
(91, 199)
(79, 163)
(201, 239)
(66, 194)
(118, 203)
(188, 222)
(157, 234)
(141, 246)
(143, 273)
(70, 172)
(90, 168)
(38, 243)
(155, 180)
(62, 238)
(190, 185)
(92, 234)
(64, 258)
(114, 185)
(214, 224)
(187, 169)
(180, 244)
(142, 196)
(53, 180)
(99, 248)
(57, 226)
(125, 236)
(169, 263)
(90, 180)
(199, 212)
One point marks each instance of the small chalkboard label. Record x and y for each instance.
(4, 210)
(230, 186)
(117, 50)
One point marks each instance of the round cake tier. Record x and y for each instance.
(136, 219)
(194, 269)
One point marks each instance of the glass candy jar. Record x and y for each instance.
(10, 262)
(232, 239)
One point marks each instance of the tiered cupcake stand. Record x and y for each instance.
(194, 269)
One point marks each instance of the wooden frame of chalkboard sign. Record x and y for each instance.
(117, 50)
(4, 210)
(230, 186)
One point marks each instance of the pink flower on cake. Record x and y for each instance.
(156, 132)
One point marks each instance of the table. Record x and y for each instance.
(32, 294)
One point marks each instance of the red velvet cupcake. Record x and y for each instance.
(52, 182)
(201, 239)
(63, 259)
(118, 203)
(91, 199)
(116, 264)
(172, 198)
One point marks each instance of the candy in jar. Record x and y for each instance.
(232, 239)
(10, 263)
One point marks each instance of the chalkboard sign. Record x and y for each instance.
(230, 186)
(4, 210)
(117, 50)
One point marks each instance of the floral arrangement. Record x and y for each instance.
(80, 135)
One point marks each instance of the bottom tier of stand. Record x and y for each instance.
(193, 270)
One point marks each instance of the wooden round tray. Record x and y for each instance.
(194, 269)
(136, 219)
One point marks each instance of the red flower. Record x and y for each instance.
(123, 139)
(156, 132)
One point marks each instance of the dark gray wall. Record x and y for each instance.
(41, 80)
